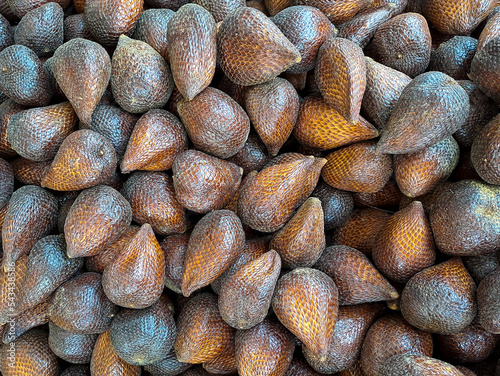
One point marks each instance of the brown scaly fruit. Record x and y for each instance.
(6, 182)
(338, 11)
(11, 278)
(252, 156)
(20, 7)
(387, 198)
(440, 299)
(481, 265)
(6, 30)
(77, 370)
(252, 49)
(75, 27)
(192, 50)
(484, 68)
(7, 109)
(275, 6)
(299, 367)
(491, 30)
(224, 363)
(168, 365)
(306, 303)
(417, 365)
(29, 319)
(71, 347)
(174, 249)
(151, 29)
(454, 57)
(488, 306)
(82, 69)
(484, 152)
(337, 205)
(220, 8)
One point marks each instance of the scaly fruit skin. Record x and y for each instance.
(338, 11)
(221, 8)
(416, 365)
(11, 282)
(6, 31)
(7, 109)
(29, 172)
(82, 69)
(491, 30)
(252, 50)
(71, 347)
(168, 365)
(481, 265)
(484, 69)
(6, 182)
(484, 152)
(174, 249)
(192, 49)
(108, 19)
(75, 27)
(29, 319)
(440, 299)
(306, 303)
(151, 29)
(224, 363)
(337, 205)
(488, 305)
(454, 57)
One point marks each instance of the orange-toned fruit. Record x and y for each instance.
(265, 349)
(245, 297)
(276, 6)
(345, 343)
(82, 69)
(98, 217)
(29, 319)
(441, 298)
(252, 156)
(215, 123)
(71, 347)
(344, 89)
(135, 64)
(11, 278)
(299, 367)
(488, 306)
(357, 168)
(220, 8)
(454, 57)
(389, 336)
(484, 69)
(417, 365)
(174, 249)
(6, 182)
(405, 245)
(29, 172)
(224, 363)
(273, 108)
(203, 183)
(306, 303)
(151, 28)
(192, 49)
(338, 11)
(432, 107)
(158, 137)
(168, 365)
(484, 152)
(252, 49)
(301, 241)
(7, 109)
(322, 127)
(491, 30)
(202, 333)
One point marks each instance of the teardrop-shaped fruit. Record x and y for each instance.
(98, 217)
(389, 336)
(252, 49)
(416, 365)
(31, 215)
(358, 168)
(488, 305)
(454, 57)
(345, 343)
(432, 107)
(192, 35)
(217, 239)
(134, 279)
(167, 366)
(273, 108)
(41, 29)
(23, 77)
(320, 126)
(340, 74)
(107, 20)
(106, 362)
(6, 182)
(7, 109)
(215, 123)
(203, 183)
(82, 69)
(388, 197)
(11, 278)
(29, 319)
(151, 28)
(484, 152)
(202, 333)
(338, 11)
(158, 137)
(71, 347)
(306, 303)
(37, 133)
(440, 299)
(174, 249)
(135, 64)
(337, 205)
(84, 159)
(265, 349)
(301, 241)
(405, 245)
(464, 219)
(245, 297)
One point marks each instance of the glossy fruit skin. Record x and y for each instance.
(484, 68)
(7, 31)
(174, 249)
(338, 12)
(7, 109)
(224, 363)
(488, 307)
(169, 365)
(6, 182)
(71, 347)
(484, 154)
(416, 365)
(337, 205)
(454, 57)
(151, 28)
(11, 284)
(74, 26)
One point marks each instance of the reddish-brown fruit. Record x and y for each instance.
(11, 278)
(158, 137)
(440, 299)
(306, 303)
(32, 356)
(29, 172)
(405, 245)
(355, 276)
(465, 217)
(6, 182)
(301, 241)
(215, 123)
(298, 80)
(491, 30)
(252, 157)
(168, 366)
(307, 28)
(338, 11)
(203, 183)
(481, 265)
(82, 69)
(454, 57)
(80, 305)
(220, 8)
(488, 304)
(484, 152)
(337, 205)
(276, 6)
(202, 333)
(216, 241)
(245, 297)
(299, 367)
(135, 277)
(31, 215)
(456, 18)
(192, 50)
(151, 28)
(344, 345)
(340, 74)
(106, 362)
(432, 107)
(224, 363)
(320, 126)
(174, 249)
(484, 69)
(75, 27)
(56, 89)
(8, 14)
(71, 347)
(388, 336)
(416, 365)
(384, 85)
(268, 199)
(23, 77)
(428, 200)
(273, 108)
(37, 133)
(265, 349)
(7, 109)
(252, 49)
(358, 168)
(29, 319)
(98, 217)
(20, 7)
(389, 197)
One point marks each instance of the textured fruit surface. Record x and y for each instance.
(6, 182)
(338, 11)
(11, 278)
(416, 365)
(337, 205)
(71, 347)
(220, 8)
(7, 109)
(29, 319)
(488, 307)
(174, 249)
(484, 152)
(484, 68)
(454, 57)
(167, 366)
(151, 28)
